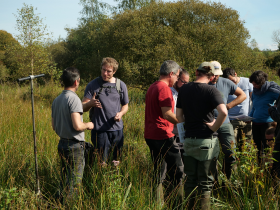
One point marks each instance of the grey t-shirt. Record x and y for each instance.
(111, 102)
(226, 88)
(66, 103)
(244, 107)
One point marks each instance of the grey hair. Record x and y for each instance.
(168, 67)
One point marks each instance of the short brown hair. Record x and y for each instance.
(206, 73)
(110, 62)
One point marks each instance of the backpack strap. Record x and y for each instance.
(118, 85)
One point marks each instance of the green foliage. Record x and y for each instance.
(6, 63)
(188, 32)
(272, 59)
(31, 57)
(127, 187)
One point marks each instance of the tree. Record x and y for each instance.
(32, 56)
(276, 36)
(254, 45)
(6, 40)
(188, 32)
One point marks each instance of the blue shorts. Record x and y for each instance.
(104, 141)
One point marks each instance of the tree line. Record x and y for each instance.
(139, 34)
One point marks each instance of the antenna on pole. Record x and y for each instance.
(31, 78)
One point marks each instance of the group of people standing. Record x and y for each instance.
(207, 107)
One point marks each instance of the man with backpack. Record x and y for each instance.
(107, 99)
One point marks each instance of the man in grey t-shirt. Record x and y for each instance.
(109, 105)
(225, 132)
(67, 122)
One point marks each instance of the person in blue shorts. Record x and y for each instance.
(107, 97)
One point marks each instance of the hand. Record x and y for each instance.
(228, 107)
(118, 117)
(210, 124)
(90, 126)
(95, 102)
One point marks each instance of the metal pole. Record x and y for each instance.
(31, 77)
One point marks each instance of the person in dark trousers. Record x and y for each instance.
(106, 98)
(67, 122)
(264, 93)
(225, 132)
(195, 106)
(159, 123)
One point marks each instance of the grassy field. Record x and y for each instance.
(103, 188)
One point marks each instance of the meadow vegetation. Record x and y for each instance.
(127, 187)
(140, 35)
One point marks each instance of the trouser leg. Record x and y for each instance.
(116, 142)
(259, 138)
(227, 140)
(191, 180)
(72, 166)
(101, 144)
(167, 160)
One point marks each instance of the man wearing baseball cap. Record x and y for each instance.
(225, 132)
(201, 145)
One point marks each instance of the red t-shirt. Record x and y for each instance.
(156, 127)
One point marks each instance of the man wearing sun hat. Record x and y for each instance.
(225, 132)
(201, 146)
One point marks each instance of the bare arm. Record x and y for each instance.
(180, 115)
(169, 115)
(241, 96)
(222, 114)
(119, 115)
(78, 124)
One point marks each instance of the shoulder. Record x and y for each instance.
(227, 83)
(94, 82)
(122, 84)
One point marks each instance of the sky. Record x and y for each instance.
(261, 17)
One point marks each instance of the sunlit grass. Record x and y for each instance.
(128, 187)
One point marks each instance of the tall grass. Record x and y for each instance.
(127, 187)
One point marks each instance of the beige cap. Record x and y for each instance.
(218, 68)
(204, 64)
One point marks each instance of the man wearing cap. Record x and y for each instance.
(242, 108)
(225, 132)
(201, 145)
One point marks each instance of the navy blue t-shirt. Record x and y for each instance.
(111, 102)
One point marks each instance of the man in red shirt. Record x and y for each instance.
(159, 123)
